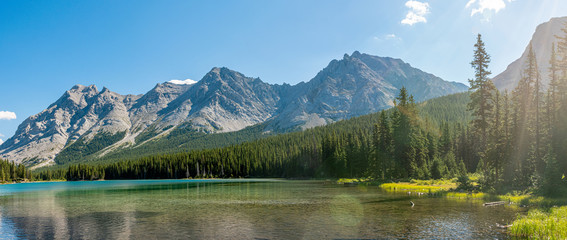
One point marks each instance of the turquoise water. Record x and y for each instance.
(236, 209)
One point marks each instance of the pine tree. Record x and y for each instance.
(496, 155)
(538, 106)
(553, 89)
(404, 118)
(401, 130)
(383, 145)
(562, 63)
(445, 143)
(559, 135)
(552, 175)
(421, 154)
(525, 128)
(481, 103)
(508, 169)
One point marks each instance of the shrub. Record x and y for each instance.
(464, 183)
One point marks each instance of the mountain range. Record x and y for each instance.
(88, 122)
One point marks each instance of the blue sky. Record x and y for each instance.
(46, 47)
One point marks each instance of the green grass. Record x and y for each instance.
(538, 224)
(352, 180)
(465, 195)
(446, 188)
(424, 186)
(547, 221)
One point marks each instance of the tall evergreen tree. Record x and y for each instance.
(553, 89)
(539, 150)
(383, 146)
(525, 112)
(497, 146)
(562, 61)
(401, 133)
(404, 118)
(446, 141)
(481, 103)
(559, 136)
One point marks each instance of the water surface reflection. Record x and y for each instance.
(237, 210)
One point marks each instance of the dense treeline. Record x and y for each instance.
(519, 139)
(448, 109)
(405, 147)
(11, 172)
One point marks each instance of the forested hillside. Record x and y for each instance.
(450, 108)
(181, 139)
(348, 148)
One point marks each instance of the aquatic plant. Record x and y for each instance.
(538, 224)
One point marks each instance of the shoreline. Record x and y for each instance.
(150, 179)
(542, 211)
(545, 218)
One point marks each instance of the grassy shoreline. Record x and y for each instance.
(546, 220)
(541, 224)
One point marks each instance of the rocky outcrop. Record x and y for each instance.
(542, 41)
(81, 111)
(224, 100)
(356, 85)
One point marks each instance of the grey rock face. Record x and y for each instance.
(222, 101)
(80, 111)
(146, 110)
(542, 40)
(356, 85)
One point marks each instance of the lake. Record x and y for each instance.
(237, 209)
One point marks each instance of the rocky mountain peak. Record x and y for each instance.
(224, 74)
(355, 54)
(356, 85)
(82, 88)
(76, 97)
(78, 89)
(167, 87)
(542, 40)
(104, 89)
(349, 64)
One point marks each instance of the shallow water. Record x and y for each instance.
(236, 209)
